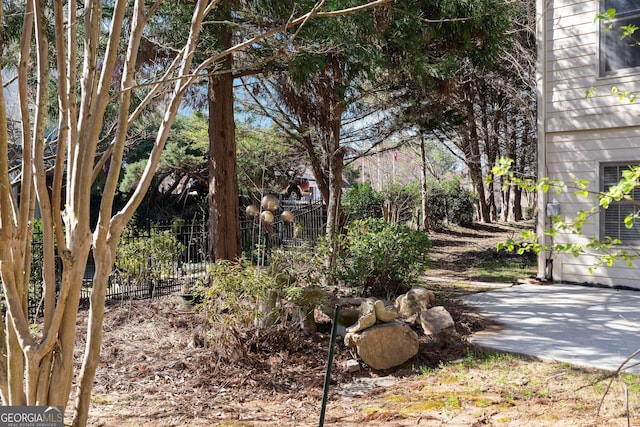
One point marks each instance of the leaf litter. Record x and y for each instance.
(160, 367)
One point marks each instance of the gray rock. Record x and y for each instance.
(415, 301)
(384, 314)
(351, 366)
(367, 317)
(364, 386)
(436, 321)
(386, 345)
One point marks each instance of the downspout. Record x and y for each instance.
(541, 80)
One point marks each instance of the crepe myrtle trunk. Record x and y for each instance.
(39, 367)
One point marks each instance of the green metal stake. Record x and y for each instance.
(327, 374)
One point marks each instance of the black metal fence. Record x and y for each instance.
(148, 273)
(157, 266)
(303, 228)
(155, 269)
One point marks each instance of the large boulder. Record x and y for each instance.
(415, 301)
(385, 345)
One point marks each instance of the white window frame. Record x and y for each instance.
(612, 218)
(622, 17)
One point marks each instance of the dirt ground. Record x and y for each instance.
(159, 369)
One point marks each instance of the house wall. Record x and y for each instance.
(577, 134)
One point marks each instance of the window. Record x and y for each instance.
(619, 54)
(612, 218)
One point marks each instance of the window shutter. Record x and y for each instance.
(615, 214)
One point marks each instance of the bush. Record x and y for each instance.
(232, 292)
(362, 201)
(141, 261)
(231, 299)
(381, 258)
(243, 301)
(400, 202)
(449, 202)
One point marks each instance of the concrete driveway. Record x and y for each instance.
(585, 326)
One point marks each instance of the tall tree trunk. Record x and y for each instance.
(423, 193)
(477, 179)
(504, 202)
(470, 145)
(517, 204)
(520, 162)
(487, 134)
(224, 211)
(511, 148)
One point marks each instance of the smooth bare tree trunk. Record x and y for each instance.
(40, 369)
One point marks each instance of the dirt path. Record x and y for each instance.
(158, 369)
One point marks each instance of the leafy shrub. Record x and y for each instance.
(449, 202)
(381, 258)
(238, 298)
(141, 261)
(231, 294)
(300, 265)
(400, 202)
(362, 201)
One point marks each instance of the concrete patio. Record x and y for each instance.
(585, 326)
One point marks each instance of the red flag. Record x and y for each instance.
(395, 156)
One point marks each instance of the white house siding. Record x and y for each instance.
(578, 134)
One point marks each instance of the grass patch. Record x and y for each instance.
(485, 358)
(632, 381)
(423, 370)
(504, 270)
(100, 400)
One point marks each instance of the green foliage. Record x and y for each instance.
(239, 297)
(301, 273)
(400, 202)
(185, 152)
(145, 259)
(188, 145)
(606, 251)
(236, 297)
(362, 201)
(381, 258)
(302, 266)
(607, 16)
(231, 296)
(265, 159)
(132, 176)
(449, 201)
